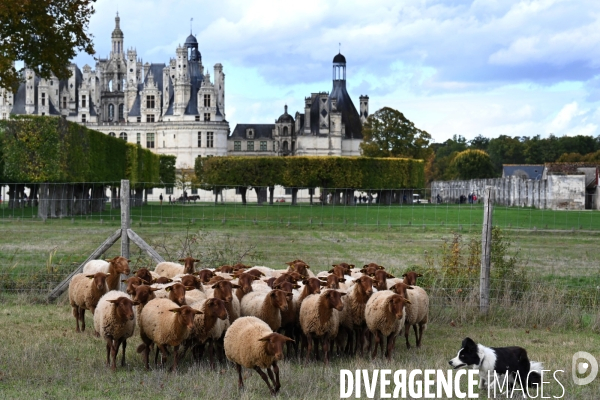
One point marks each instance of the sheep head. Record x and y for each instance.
(274, 344)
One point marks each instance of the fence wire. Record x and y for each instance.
(47, 231)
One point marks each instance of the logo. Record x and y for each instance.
(579, 368)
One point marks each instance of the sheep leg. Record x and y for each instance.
(325, 347)
(370, 341)
(417, 337)
(270, 373)
(114, 351)
(406, 333)
(108, 351)
(146, 356)
(211, 355)
(240, 380)
(124, 345)
(76, 315)
(175, 358)
(82, 318)
(421, 329)
(265, 378)
(378, 340)
(163, 353)
(308, 346)
(391, 343)
(276, 370)
(350, 342)
(316, 343)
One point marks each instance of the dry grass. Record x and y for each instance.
(43, 357)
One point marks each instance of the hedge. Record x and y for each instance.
(330, 172)
(36, 149)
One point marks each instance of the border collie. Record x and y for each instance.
(502, 360)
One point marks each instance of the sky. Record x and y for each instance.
(453, 67)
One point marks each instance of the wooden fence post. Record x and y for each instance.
(486, 246)
(125, 222)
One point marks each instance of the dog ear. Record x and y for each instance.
(468, 343)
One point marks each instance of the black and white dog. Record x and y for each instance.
(502, 360)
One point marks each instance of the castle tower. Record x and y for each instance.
(350, 126)
(220, 89)
(29, 91)
(117, 39)
(364, 108)
(132, 79)
(182, 85)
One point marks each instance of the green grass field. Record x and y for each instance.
(47, 359)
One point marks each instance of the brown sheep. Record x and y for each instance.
(381, 277)
(332, 281)
(116, 266)
(132, 283)
(205, 275)
(144, 274)
(245, 283)
(163, 280)
(84, 293)
(352, 318)
(410, 278)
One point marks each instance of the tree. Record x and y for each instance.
(473, 164)
(388, 133)
(44, 34)
(167, 171)
(506, 150)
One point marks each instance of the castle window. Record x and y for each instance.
(197, 118)
(150, 118)
(194, 190)
(43, 99)
(207, 116)
(138, 119)
(3, 115)
(121, 112)
(83, 101)
(123, 136)
(149, 101)
(250, 133)
(207, 100)
(111, 111)
(64, 106)
(199, 139)
(285, 131)
(237, 145)
(250, 145)
(138, 138)
(285, 145)
(43, 114)
(209, 139)
(111, 134)
(293, 145)
(83, 117)
(263, 146)
(169, 190)
(150, 140)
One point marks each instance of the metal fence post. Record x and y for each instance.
(486, 246)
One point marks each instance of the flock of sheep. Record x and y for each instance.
(248, 313)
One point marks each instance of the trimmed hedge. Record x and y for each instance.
(35, 149)
(331, 172)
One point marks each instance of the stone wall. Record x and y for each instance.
(557, 192)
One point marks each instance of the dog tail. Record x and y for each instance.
(535, 373)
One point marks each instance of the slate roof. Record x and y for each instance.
(528, 171)
(261, 131)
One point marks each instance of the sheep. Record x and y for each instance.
(224, 290)
(93, 266)
(162, 280)
(353, 316)
(410, 278)
(266, 271)
(228, 269)
(114, 320)
(319, 319)
(371, 268)
(205, 275)
(289, 318)
(251, 343)
(206, 325)
(170, 269)
(384, 314)
(301, 267)
(333, 282)
(131, 283)
(164, 324)
(245, 285)
(417, 311)
(144, 273)
(143, 294)
(115, 267)
(266, 306)
(381, 276)
(84, 293)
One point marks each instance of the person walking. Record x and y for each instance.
(160, 198)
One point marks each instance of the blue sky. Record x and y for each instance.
(457, 67)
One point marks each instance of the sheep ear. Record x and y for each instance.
(90, 276)
(330, 271)
(307, 266)
(390, 276)
(112, 301)
(410, 287)
(233, 285)
(380, 267)
(154, 289)
(128, 261)
(197, 312)
(196, 260)
(419, 275)
(144, 281)
(182, 260)
(296, 286)
(343, 294)
(342, 280)
(351, 265)
(124, 280)
(175, 310)
(266, 338)
(323, 283)
(407, 301)
(188, 288)
(168, 289)
(403, 275)
(136, 303)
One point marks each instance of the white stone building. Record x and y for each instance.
(329, 126)
(172, 108)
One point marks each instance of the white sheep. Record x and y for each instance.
(114, 320)
(94, 266)
(171, 269)
(417, 314)
(164, 323)
(385, 315)
(266, 306)
(84, 293)
(268, 272)
(251, 343)
(209, 325)
(319, 319)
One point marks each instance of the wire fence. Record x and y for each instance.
(46, 232)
